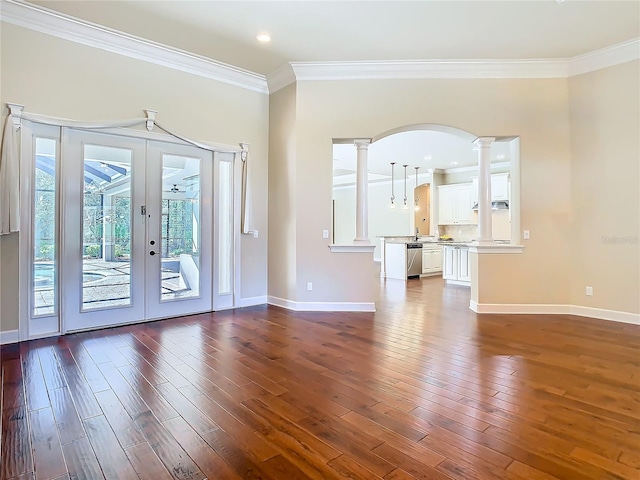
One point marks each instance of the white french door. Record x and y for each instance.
(134, 240)
(178, 203)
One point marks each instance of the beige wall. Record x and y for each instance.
(535, 110)
(297, 252)
(605, 181)
(282, 193)
(60, 78)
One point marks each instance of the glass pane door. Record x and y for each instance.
(103, 270)
(179, 217)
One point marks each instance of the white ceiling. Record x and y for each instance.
(368, 30)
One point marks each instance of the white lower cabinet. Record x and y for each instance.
(431, 259)
(455, 266)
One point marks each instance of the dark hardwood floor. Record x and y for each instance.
(423, 388)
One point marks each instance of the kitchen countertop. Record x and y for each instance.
(428, 242)
(433, 241)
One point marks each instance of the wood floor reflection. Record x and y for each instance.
(423, 388)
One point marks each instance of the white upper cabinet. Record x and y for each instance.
(499, 187)
(455, 204)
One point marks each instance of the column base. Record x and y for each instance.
(362, 241)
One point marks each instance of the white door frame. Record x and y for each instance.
(29, 130)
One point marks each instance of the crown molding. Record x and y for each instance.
(44, 20)
(280, 78)
(605, 57)
(425, 69)
(429, 69)
(66, 27)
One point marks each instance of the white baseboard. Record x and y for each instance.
(322, 306)
(251, 301)
(552, 309)
(10, 336)
(613, 315)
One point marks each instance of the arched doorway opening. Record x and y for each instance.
(434, 156)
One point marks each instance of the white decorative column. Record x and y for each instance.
(485, 234)
(362, 192)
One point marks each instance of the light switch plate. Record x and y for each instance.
(325, 233)
(309, 286)
(255, 234)
(526, 235)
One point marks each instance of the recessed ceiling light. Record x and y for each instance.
(428, 157)
(454, 163)
(263, 37)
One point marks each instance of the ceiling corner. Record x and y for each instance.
(280, 78)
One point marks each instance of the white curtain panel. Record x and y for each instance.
(9, 180)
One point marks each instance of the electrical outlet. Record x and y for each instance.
(325, 233)
(526, 235)
(309, 286)
(255, 234)
(589, 291)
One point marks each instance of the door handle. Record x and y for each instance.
(152, 253)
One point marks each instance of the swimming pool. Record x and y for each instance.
(43, 275)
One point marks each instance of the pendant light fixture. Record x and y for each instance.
(417, 206)
(393, 198)
(404, 206)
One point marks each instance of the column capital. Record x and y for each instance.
(484, 141)
(362, 143)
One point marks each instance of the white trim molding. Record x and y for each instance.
(44, 20)
(487, 68)
(352, 248)
(281, 78)
(553, 309)
(422, 69)
(9, 336)
(603, 314)
(605, 57)
(252, 301)
(322, 306)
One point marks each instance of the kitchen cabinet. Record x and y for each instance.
(499, 188)
(431, 259)
(455, 205)
(456, 268)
